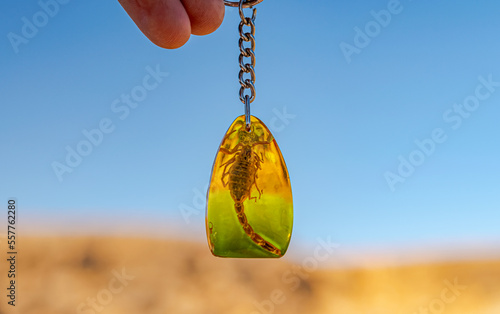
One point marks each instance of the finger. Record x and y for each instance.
(164, 22)
(205, 15)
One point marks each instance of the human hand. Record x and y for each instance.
(170, 23)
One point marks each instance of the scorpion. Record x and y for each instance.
(240, 174)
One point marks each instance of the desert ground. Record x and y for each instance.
(63, 275)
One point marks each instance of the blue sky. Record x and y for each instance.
(351, 120)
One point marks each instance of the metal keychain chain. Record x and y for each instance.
(247, 89)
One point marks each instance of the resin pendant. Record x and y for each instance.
(249, 201)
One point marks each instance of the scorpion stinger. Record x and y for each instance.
(249, 201)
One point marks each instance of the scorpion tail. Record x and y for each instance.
(256, 238)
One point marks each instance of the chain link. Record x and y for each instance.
(247, 66)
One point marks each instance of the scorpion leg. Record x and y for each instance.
(255, 183)
(225, 172)
(262, 142)
(253, 198)
(228, 162)
(225, 151)
(227, 135)
(224, 184)
(230, 151)
(255, 176)
(259, 161)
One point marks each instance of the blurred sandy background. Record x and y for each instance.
(129, 275)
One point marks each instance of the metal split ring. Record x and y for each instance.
(246, 4)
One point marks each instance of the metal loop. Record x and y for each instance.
(246, 4)
(248, 122)
(252, 29)
(244, 51)
(242, 14)
(242, 61)
(252, 91)
(248, 69)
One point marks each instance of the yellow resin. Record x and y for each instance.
(249, 201)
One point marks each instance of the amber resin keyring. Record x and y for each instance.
(249, 200)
